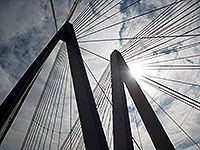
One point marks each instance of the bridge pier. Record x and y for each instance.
(158, 135)
(90, 122)
(121, 124)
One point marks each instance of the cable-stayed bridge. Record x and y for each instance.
(165, 48)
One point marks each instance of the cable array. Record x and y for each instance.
(46, 126)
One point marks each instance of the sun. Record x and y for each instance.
(137, 70)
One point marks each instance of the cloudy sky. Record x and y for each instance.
(26, 26)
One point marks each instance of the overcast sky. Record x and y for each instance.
(25, 28)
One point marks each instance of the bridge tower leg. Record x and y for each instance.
(90, 122)
(158, 135)
(121, 123)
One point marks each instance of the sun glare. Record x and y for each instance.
(137, 71)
